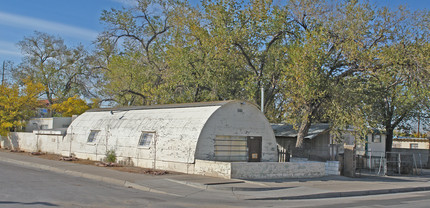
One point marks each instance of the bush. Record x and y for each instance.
(111, 156)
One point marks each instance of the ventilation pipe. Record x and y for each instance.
(262, 100)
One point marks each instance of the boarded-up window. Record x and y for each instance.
(93, 135)
(231, 148)
(376, 138)
(146, 139)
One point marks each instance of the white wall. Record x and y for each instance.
(45, 141)
(273, 170)
(213, 168)
(377, 148)
(47, 123)
(20, 141)
(237, 119)
(49, 140)
(407, 144)
(176, 134)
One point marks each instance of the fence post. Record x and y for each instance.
(399, 164)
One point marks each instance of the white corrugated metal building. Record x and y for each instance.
(173, 137)
(229, 139)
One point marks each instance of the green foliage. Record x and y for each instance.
(63, 71)
(135, 74)
(345, 62)
(111, 156)
(399, 91)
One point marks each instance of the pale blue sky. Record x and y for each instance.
(77, 21)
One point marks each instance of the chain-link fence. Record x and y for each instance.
(404, 163)
(368, 165)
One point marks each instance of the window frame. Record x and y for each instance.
(94, 138)
(413, 145)
(141, 137)
(374, 138)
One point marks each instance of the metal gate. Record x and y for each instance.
(368, 165)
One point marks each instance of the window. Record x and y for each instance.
(231, 148)
(146, 139)
(414, 145)
(376, 138)
(44, 126)
(93, 135)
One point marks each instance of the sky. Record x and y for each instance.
(77, 21)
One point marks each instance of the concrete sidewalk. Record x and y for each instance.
(182, 185)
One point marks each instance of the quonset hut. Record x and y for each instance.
(199, 138)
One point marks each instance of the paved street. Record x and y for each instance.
(28, 187)
(410, 199)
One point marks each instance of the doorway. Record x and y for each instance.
(254, 149)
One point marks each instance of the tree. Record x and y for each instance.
(135, 42)
(17, 104)
(333, 49)
(71, 106)
(316, 60)
(229, 50)
(177, 53)
(61, 70)
(400, 90)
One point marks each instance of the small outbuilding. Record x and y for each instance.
(187, 138)
(320, 145)
(316, 143)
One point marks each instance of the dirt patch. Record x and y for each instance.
(114, 166)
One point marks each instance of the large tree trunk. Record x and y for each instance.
(428, 159)
(300, 150)
(303, 131)
(389, 139)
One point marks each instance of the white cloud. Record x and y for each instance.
(9, 49)
(10, 53)
(129, 3)
(19, 21)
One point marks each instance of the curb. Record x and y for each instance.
(109, 180)
(216, 186)
(348, 194)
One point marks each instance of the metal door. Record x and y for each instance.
(254, 149)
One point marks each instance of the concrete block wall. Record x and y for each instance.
(274, 170)
(213, 168)
(44, 140)
(332, 168)
(20, 140)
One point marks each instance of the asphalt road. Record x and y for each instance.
(27, 187)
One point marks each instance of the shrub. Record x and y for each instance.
(111, 156)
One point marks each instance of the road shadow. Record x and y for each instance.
(29, 203)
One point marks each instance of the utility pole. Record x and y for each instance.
(2, 75)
